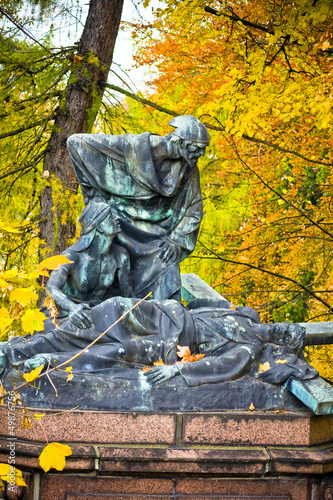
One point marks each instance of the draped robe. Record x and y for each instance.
(151, 207)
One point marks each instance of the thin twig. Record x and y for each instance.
(281, 276)
(86, 348)
(213, 127)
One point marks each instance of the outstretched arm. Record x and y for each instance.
(162, 373)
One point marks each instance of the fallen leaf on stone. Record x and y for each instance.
(264, 367)
(251, 407)
(281, 361)
(54, 455)
(157, 363)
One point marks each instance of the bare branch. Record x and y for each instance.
(280, 195)
(236, 18)
(23, 129)
(213, 127)
(281, 276)
(29, 165)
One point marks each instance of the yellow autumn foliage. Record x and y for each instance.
(54, 455)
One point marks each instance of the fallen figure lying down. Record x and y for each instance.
(233, 341)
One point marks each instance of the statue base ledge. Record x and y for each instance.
(97, 392)
(250, 455)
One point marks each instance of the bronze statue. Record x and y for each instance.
(234, 343)
(99, 268)
(142, 215)
(152, 184)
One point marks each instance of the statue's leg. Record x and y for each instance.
(3, 360)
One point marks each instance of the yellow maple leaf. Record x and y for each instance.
(70, 375)
(281, 361)
(5, 319)
(53, 263)
(6, 473)
(3, 283)
(35, 274)
(23, 295)
(54, 455)
(252, 407)
(31, 376)
(33, 320)
(264, 367)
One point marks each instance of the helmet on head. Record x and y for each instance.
(190, 128)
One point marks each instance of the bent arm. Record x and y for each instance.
(190, 213)
(124, 274)
(228, 366)
(56, 283)
(79, 314)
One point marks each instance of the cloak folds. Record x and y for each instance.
(152, 208)
(152, 331)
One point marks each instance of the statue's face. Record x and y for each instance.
(191, 152)
(287, 334)
(109, 226)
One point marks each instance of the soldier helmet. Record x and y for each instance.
(190, 128)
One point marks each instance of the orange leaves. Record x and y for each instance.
(157, 363)
(264, 367)
(185, 354)
(52, 308)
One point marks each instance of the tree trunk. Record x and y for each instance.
(77, 112)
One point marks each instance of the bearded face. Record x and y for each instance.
(191, 151)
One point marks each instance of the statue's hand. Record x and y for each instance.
(80, 316)
(161, 373)
(36, 361)
(169, 251)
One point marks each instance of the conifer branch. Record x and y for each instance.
(26, 127)
(29, 165)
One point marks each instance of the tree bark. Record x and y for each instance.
(77, 112)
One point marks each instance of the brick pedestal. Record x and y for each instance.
(225, 455)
